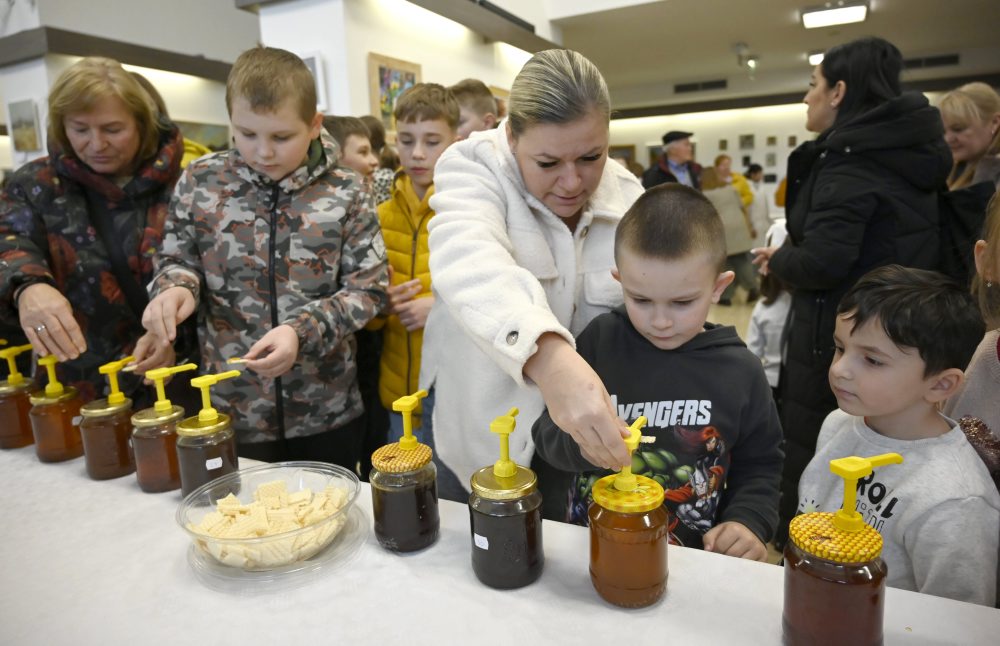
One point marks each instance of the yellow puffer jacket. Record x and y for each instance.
(404, 226)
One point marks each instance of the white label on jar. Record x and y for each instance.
(481, 542)
(76, 420)
(213, 464)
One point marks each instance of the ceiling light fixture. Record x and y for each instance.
(815, 58)
(834, 13)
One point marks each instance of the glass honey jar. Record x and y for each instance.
(106, 429)
(15, 402)
(628, 535)
(505, 514)
(55, 418)
(834, 572)
(154, 437)
(404, 487)
(206, 443)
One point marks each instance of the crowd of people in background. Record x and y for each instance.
(490, 255)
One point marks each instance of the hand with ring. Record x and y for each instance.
(47, 321)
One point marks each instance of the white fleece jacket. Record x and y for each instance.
(506, 270)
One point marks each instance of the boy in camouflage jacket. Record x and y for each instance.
(282, 254)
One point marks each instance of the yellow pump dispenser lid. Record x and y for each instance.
(407, 454)
(116, 400)
(626, 492)
(15, 378)
(842, 536)
(162, 411)
(54, 391)
(208, 419)
(505, 479)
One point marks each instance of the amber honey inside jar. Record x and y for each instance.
(15, 424)
(836, 598)
(106, 431)
(55, 424)
(628, 543)
(154, 444)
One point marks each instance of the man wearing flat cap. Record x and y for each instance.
(675, 164)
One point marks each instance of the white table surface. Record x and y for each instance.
(86, 562)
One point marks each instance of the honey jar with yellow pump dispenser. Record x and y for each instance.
(154, 436)
(404, 487)
(106, 429)
(505, 513)
(55, 418)
(206, 443)
(834, 572)
(628, 535)
(15, 425)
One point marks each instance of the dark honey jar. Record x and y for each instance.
(15, 425)
(834, 573)
(505, 515)
(106, 429)
(404, 488)
(55, 418)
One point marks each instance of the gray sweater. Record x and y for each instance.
(980, 394)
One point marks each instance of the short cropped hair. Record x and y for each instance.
(556, 86)
(672, 221)
(266, 77)
(376, 132)
(340, 128)
(91, 80)
(918, 309)
(474, 95)
(427, 101)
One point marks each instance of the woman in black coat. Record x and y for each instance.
(861, 195)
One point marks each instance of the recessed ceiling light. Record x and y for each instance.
(815, 58)
(834, 13)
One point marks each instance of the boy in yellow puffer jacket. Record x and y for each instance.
(426, 123)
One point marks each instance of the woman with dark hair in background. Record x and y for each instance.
(861, 195)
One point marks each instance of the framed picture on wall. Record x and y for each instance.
(770, 178)
(502, 96)
(654, 153)
(793, 141)
(770, 160)
(22, 117)
(388, 78)
(772, 141)
(723, 144)
(746, 161)
(315, 65)
(626, 152)
(746, 142)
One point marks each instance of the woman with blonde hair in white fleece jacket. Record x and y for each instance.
(521, 250)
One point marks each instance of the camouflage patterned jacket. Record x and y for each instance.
(307, 252)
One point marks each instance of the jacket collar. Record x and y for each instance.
(405, 196)
(322, 156)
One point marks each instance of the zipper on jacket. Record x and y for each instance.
(279, 405)
(818, 327)
(413, 274)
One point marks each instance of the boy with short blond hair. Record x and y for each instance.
(280, 253)
(707, 400)
(477, 107)
(902, 340)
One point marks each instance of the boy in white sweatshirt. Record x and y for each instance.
(902, 339)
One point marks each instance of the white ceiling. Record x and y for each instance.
(644, 50)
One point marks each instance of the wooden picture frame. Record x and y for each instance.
(626, 151)
(388, 78)
(22, 125)
(746, 142)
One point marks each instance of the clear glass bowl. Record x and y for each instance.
(278, 550)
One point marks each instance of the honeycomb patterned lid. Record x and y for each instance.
(816, 534)
(392, 458)
(646, 496)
